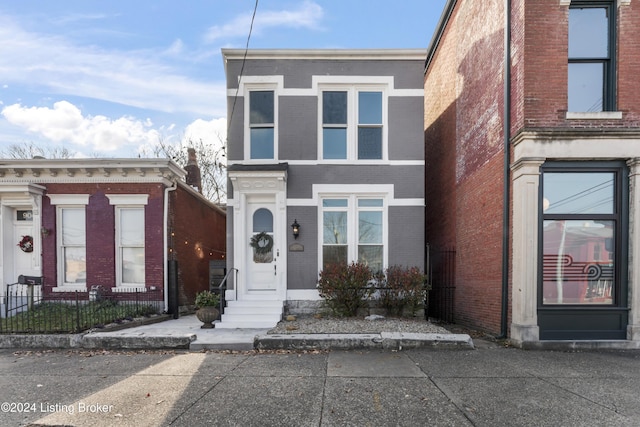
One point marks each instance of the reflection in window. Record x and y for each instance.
(352, 125)
(579, 238)
(370, 125)
(365, 243)
(131, 246)
(74, 245)
(261, 124)
(578, 193)
(590, 58)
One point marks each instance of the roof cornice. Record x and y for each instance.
(90, 170)
(328, 54)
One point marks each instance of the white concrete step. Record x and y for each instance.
(251, 314)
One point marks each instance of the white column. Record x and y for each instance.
(633, 328)
(524, 228)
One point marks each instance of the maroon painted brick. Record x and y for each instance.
(190, 217)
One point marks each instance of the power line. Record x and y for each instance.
(244, 59)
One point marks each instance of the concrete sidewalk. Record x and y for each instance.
(185, 333)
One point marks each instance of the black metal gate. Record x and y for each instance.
(441, 266)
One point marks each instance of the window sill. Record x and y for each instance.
(129, 288)
(601, 115)
(70, 288)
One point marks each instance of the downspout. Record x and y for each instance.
(165, 238)
(504, 315)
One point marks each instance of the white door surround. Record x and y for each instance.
(259, 188)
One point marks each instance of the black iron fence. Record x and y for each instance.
(26, 309)
(441, 264)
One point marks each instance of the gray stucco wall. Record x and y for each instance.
(408, 181)
(297, 73)
(406, 246)
(298, 127)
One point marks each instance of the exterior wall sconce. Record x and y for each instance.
(45, 231)
(296, 228)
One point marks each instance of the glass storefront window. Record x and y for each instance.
(579, 238)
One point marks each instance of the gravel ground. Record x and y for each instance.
(332, 325)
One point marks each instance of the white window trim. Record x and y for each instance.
(63, 286)
(273, 83)
(120, 286)
(352, 121)
(598, 115)
(69, 199)
(352, 222)
(128, 199)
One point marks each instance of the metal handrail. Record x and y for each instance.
(223, 287)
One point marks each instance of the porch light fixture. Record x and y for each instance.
(296, 228)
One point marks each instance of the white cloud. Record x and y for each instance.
(66, 123)
(213, 132)
(58, 65)
(307, 15)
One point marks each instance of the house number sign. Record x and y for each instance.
(24, 215)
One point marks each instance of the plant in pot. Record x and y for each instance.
(207, 303)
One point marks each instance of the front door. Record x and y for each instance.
(262, 251)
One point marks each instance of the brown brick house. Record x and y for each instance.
(112, 223)
(532, 117)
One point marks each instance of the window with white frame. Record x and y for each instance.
(261, 124)
(353, 123)
(73, 245)
(130, 258)
(353, 229)
(129, 239)
(71, 241)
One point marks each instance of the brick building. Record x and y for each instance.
(532, 166)
(112, 223)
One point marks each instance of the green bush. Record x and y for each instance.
(345, 288)
(402, 289)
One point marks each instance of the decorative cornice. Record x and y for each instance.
(90, 170)
(327, 54)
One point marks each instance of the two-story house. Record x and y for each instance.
(533, 166)
(325, 165)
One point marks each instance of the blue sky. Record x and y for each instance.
(105, 78)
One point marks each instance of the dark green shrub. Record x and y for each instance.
(402, 289)
(345, 288)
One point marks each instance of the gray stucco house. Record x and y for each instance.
(332, 141)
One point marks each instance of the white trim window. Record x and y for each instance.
(353, 228)
(72, 235)
(353, 123)
(130, 258)
(71, 241)
(129, 240)
(261, 122)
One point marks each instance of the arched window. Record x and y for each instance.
(262, 221)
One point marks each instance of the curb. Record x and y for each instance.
(93, 341)
(384, 340)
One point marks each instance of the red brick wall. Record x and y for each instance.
(100, 217)
(199, 235)
(464, 157)
(539, 55)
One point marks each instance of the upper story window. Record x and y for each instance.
(591, 57)
(261, 124)
(353, 124)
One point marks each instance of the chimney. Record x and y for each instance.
(193, 170)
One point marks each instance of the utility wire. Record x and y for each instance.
(244, 59)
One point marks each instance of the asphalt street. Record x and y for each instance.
(488, 386)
